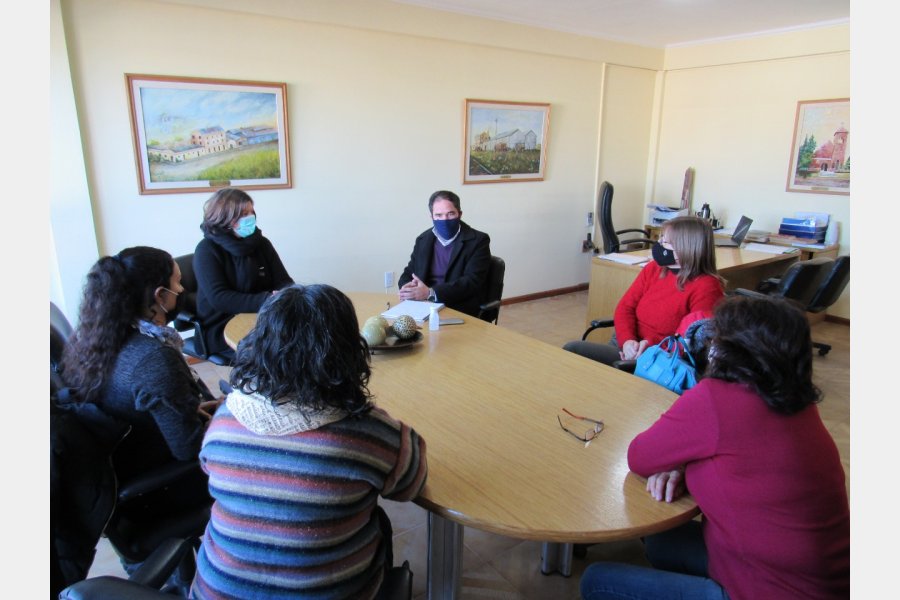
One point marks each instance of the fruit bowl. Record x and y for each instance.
(392, 342)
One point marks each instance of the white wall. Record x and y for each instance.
(375, 128)
(375, 103)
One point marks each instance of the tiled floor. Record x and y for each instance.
(499, 567)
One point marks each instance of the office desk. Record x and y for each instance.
(486, 399)
(830, 251)
(740, 268)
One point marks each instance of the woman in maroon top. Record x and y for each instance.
(678, 286)
(749, 444)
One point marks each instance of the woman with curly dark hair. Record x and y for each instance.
(750, 445)
(123, 360)
(297, 458)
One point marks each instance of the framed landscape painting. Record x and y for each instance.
(820, 154)
(197, 135)
(505, 141)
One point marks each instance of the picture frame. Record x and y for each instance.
(820, 152)
(505, 141)
(194, 134)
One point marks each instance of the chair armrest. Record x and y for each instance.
(107, 586)
(185, 321)
(625, 365)
(156, 479)
(768, 285)
(751, 293)
(596, 324)
(143, 584)
(492, 305)
(159, 566)
(640, 231)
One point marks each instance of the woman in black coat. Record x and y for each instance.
(236, 267)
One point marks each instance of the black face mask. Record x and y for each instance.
(662, 255)
(179, 306)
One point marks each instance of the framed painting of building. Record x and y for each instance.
(198, 135)
(505, 141)
(820, 154)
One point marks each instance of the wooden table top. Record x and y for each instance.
(486, 398)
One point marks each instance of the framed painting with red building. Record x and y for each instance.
(820, 154)
(198, 135)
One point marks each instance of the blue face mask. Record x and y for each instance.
(446, 228)
(245, 226)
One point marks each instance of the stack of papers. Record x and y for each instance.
(770, 248)
(418, 310)
(625, 258)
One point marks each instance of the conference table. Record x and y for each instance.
(486, 400)
(739, 267)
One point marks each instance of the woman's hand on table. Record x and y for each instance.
(668, 485)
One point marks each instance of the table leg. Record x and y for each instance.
(556, 557)
(445, 546)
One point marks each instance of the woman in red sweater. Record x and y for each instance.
(679, 286)
(749, 444)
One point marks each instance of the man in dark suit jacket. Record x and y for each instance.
(450, 261)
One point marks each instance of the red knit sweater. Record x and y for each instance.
(776, 519)
(653, 307)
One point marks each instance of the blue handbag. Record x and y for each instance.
(668, 364)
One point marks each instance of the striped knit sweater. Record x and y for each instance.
(293, 513)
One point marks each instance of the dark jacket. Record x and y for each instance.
(465, 284)
(152, 389)
(234, 275)
(82, 486)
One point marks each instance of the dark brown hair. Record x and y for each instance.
(224, 208)
(764, 343)
(118, 291)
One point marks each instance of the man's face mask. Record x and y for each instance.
(446, 228)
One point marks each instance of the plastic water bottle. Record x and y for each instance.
(434, 319)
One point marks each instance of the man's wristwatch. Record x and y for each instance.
(432, 297)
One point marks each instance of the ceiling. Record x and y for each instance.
(655, 23)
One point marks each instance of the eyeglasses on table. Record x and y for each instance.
(589, 435)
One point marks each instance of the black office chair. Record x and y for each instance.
(186, 320)
(828, 293)
(490, 310)
(798, 283)
(611, 241)
(88, 501)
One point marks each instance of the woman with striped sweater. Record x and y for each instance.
(297, 458)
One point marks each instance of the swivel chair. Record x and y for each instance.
(187, 320)
(88, 501)
(828, 293)
(798, 283)
(611, 241)
(490, 310)
(813, 285)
